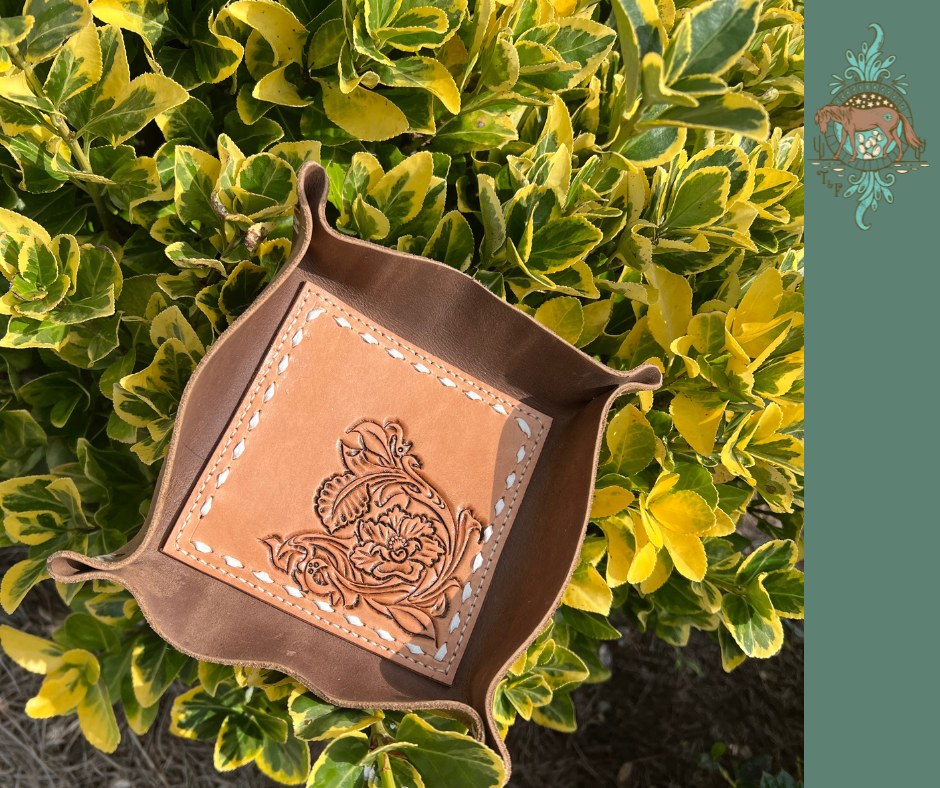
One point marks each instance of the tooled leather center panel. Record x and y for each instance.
(364, 486)
(383, 536)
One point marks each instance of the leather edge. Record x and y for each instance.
(311, 197)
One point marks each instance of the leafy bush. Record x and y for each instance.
(628, 172)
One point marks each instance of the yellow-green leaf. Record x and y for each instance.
(364, 114)
(631, 441)
(277, 87)
(13, 29)
(65, 686)
(752, 621)
(35, 654)
(280, 28)
(687, 553)
(16, 88)
(620, 549)
(314, 720)
(682, 511)
(19, 579)
(147, 18)
(340, 764)
(96, 717)
(588, 591)
(785, 589)
(609, 501)
(700, 199)
(154, 665)
(452, 242)
(718, 32)
(707, 331)
(196, 175)
(473, 131)
(562, 315)
(287, 763)
(170, 323)
(296, 154)
(559, 243)
(737, 113)
(697, 416)
(780, 554)
(670, 315)
(558, 715)
(731, 653)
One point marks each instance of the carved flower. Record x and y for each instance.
(397, 544)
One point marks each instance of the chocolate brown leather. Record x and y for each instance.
(395, 443)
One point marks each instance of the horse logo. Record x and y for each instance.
(869, 129)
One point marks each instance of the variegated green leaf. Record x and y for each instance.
(314, 720)
(35, 152)
(188, 123)
(266, 186)
(139, 103)
(737, 113)
(154, 666)
(241, 288)
(711, 37)
(467, 761)
(55, 22)
(473, 131)
(196, 175)
(14, 29)
(421, 72)
(115, 77)
(287, 763)
(700, 199)
(399, 193)
(76, 67)
(340, 764)
(147, 18)
(451, 242)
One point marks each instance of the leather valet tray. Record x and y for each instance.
(378, 482)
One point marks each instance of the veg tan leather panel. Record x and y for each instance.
(455, 319)
(364, 486)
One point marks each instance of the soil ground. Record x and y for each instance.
(645, 728)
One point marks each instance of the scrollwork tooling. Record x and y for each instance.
(384, 537)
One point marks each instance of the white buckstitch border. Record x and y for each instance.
(266, 370)
(433, 363)
(304, 610)
(241, 418)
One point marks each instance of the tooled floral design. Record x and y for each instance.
(397, 544)
(384, 537)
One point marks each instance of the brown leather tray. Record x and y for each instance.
(378, 482)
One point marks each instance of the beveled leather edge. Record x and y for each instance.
(72, 567)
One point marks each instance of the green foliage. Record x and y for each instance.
(628, 172)
(751, 773)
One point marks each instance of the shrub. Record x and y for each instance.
(628, 172)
